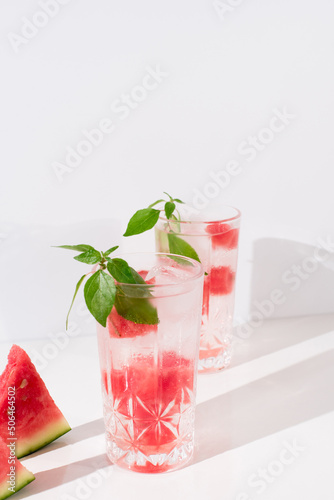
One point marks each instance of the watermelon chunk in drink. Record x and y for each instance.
(223, 236)
(125, 328)
(221, 280)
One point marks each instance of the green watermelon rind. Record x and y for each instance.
(36, 429)
(44, 437)
(23, 477)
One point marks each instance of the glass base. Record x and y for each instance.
(212, 364)
(138, 461)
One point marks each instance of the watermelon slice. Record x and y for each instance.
(13, 476)
(38, 421)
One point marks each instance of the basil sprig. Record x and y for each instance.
(146, 218)
(106, 287)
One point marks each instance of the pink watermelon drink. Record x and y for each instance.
(149, 369)
(215, 241)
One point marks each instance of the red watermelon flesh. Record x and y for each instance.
(219, 281)
(38, 420)
(124, 328)
(13, 475)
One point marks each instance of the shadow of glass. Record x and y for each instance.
(290, 280)
(264, 407)
(77, 434)
(85, 431)
(277, 334)
(46, 480)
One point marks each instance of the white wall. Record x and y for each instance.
(223, 79)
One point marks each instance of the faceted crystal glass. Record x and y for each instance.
(149, 370)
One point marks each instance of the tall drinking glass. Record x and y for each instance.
(214, 236)
(149, 369)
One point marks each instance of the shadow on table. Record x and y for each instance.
(52, 478)
(85, 431)
(46, 480)
(264, 407)
(276, 334)
(290, 279)
(77, 434)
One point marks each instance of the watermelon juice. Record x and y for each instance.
(149, 370)
(215, 240)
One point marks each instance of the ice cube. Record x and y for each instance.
(167, 274)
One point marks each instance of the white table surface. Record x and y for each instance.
(277, 395)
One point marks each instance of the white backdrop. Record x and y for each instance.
(106, 104)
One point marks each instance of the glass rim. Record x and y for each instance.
(198, 222)
(196, 266)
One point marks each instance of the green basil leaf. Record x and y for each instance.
(108, 252)
(78, 248)
(75, 294)
(90, 257)
(100, 292)
(133, 303)
(178, 200)
(169, 209)
(138, 310)
(136, 276)
(133, 278)
(135, 291)
(180, 247)
(142, 221)
(121, 271)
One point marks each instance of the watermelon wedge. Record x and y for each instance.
(38, 421)
(13, 475)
